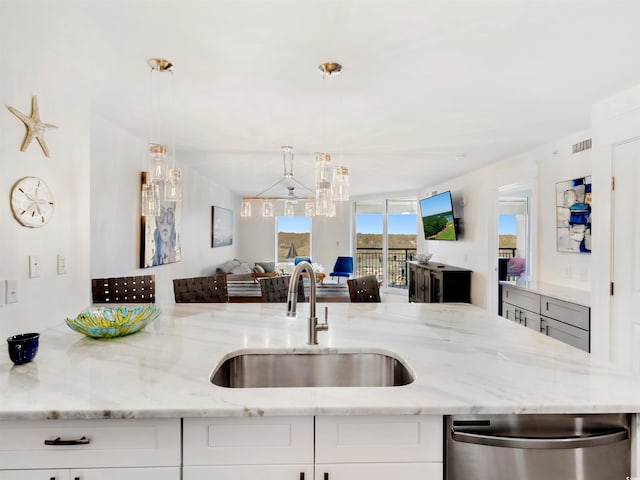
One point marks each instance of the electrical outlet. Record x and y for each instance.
(34, 266)
(62, 264)
(12, 291)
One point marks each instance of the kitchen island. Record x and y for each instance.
(464, 360)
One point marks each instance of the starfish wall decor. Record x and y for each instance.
(35, 127)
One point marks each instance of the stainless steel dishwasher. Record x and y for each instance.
(538, 447)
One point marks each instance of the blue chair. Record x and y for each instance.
(342, 268)
(297, 260)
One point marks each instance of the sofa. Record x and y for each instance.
(244, 270)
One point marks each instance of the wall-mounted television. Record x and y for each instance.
(438, 221)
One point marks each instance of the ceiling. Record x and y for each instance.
(429, 89)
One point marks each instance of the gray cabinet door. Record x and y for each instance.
(509, 312)
(566, 312)
(530, 320)
(566, 333)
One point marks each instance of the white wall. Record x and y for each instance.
(539, 168)
(117, 158)
(40, 67)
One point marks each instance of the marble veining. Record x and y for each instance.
(573, 295)
(465, 360)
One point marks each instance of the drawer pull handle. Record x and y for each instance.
(301, 475)
(326, 475)
(59, 441)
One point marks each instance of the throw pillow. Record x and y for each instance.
(269, 267)
(258, 269)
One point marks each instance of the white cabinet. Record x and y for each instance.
(277, 448)
(269, 448)
(400, 447)
(90, 449)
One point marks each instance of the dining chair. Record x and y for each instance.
(342, 268)
(140, 289)
(211, 289)
(364, 289)
(276, 289)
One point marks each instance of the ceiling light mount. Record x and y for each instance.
(160, 65)
(329, 69)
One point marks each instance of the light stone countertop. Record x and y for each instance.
(465, 360)
(572, 295)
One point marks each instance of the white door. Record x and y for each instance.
(159, 473)
(248, 472)
(625, 303)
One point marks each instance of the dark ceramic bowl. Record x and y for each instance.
(23, 347)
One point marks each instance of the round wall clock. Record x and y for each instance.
(32, 202)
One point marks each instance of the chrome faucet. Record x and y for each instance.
(292, 301)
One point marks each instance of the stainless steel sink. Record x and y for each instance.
(265, 368)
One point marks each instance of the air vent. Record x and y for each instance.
(581, 146)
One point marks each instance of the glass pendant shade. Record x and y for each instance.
(340, 184)
(245, 208)
(173, 186)
(288, 209)
(267, 209)
(158, 168)
(309, 209)
(287, 158)
(323, 175)
(150, 200)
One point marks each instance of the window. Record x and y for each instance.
(293, 238)
(386, 239)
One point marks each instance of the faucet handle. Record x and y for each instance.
(324, 326)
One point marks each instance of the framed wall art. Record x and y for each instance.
(573, 215)
(221, 227)
(161, 238)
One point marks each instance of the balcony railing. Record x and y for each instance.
(506, 252)
(369, 262)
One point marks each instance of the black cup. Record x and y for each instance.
(23, 347)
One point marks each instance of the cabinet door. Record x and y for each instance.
(525, 300)
(43, 474)
(379, 471)
(566, 333)
(530, 320)
(510, 312)
(248, 472)
(163, 473)
(248, 441)
(435, 287)
(89, 443)
(566, 312)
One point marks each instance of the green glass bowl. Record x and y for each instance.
(110, 322)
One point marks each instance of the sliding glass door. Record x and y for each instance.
(385, 239)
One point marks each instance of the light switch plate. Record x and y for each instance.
(62, 264)
(12, 291)
(34, 266)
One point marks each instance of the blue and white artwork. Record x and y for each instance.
(573, 215)
(221, 227)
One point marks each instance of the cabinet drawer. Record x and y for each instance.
(111, 443)
(520, 298)
(371, 471)
(248, 440)
(566, 333)
(34, 474)
(348, 439)
(566, 312)
(249, 472)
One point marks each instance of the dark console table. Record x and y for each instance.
(438, 283)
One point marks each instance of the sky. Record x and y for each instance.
(366, 223)
(507, 225)
(436, 204)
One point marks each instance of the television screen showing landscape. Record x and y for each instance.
(437, 217)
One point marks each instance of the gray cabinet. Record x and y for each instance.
(565, 321)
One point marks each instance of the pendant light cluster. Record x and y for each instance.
(332, 185)
(163, 182)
